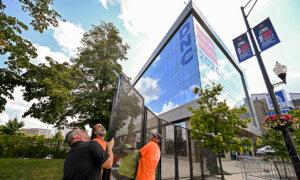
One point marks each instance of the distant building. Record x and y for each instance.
(263, 105)
(37, 131)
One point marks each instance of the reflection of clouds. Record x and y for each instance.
(149, 88)
(189, 90)
(232, 100)
(213, 76)
(168, 106)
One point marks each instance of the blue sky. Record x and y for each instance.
(143, 23)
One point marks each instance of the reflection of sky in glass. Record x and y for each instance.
(169, 80)
(189, 56)
(216, 68)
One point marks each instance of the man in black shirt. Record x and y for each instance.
(86, 157)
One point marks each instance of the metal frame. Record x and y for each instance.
(176, 153)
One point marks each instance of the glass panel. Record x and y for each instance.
(167, 153)
(182, 148)
(152, 124)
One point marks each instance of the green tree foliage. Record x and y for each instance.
(215, 124)
(98, 62)
(8, 80)
(51, 87)
(37, 146)
(19, 49)
(58, 136)
(275, 139)
(12, 127)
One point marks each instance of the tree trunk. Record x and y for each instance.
(202, 163)
(221, 167)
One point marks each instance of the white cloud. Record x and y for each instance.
(149, 17)
(68, 35)
(105, 3)
(168, 106)
(4, 117)
(17, 107)
(44, 51)
(149, 88)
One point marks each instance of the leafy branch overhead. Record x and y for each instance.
(18, 49)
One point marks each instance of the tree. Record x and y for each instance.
(216, 125)
(99, 69)
(51, 87)
(19, 49)
(12, 127)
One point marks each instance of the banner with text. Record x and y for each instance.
(265, 34)
(242, 47)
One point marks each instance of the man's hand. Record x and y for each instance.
(111, 143)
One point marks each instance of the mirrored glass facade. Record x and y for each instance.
(190, 58)
(216, 68)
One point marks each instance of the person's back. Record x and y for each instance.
(84, 160)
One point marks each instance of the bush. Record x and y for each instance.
(22, 146)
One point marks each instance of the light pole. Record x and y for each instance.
(280, 71)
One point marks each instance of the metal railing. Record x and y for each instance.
(270, 168)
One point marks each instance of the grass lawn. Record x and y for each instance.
(23, 169)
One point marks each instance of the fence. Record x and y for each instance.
(132, 124)
(259, 168)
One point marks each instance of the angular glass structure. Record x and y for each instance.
(190, 55)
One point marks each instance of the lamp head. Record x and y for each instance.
(280, 70)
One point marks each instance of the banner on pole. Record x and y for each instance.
(265, 35)
(242, 47)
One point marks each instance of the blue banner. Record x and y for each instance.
(265, 34)
(282, 100)
(242, 47)
(283, 111)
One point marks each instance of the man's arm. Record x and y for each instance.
(109, 162)
(98, 153)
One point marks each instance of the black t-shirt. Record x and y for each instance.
(84, 161)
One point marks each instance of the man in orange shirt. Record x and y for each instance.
(149, 158)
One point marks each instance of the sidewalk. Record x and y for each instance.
(232, 168)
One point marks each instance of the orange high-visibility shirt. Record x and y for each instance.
(101, 142)
(149, 158)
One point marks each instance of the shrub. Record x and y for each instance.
(22, 146)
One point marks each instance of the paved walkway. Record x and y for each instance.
(231, 167)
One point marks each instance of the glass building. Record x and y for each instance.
(190, 55)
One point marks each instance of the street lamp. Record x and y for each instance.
(280, 71)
